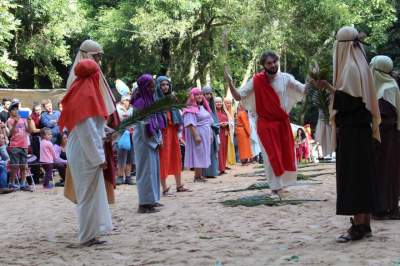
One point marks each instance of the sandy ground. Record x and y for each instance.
(195, 229)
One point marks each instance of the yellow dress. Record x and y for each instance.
(231, 158)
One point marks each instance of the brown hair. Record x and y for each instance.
(46, 101)
(43, 131)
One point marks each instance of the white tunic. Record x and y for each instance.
(85, 155)
(289, 91)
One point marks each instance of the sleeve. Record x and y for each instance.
(153, 141)
(295, 92)
(246, 89)
(45, 121)
(52, 152)
(91, 140)
(296, 85)
(248, 96)
(215, 124)
(189, 119)
(4, 156)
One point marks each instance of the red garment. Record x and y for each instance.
(36, 119)
(223, 136)
(273, 126)
(109, 172)
(84, 99)
(170, 153)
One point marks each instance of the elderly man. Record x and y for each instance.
(271, 94)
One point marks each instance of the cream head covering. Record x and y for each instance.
(86, 51)
(385, 85)
(352, 75)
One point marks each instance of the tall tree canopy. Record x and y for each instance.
(190, 40)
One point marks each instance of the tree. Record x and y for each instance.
(8, 25)
(40, 42)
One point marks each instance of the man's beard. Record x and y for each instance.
(272, 71)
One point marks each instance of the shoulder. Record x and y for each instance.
(286, 76)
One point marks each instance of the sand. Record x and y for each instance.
(195, 229)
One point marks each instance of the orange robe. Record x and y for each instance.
(170, 153)
(243, 135)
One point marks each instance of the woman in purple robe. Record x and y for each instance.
(197, 121)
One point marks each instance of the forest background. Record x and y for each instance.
(188, 40)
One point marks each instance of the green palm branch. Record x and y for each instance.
(169, 102)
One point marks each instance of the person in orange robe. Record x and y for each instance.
(243, 135)
(223, 135)
(170, 153)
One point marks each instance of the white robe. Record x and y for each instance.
(85, 154)
(323, 135)
(255, 143)
(289, 91)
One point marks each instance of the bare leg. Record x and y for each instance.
(163, 182)
(128, 170)
(120, 170)
(178, 180)
(197, 175)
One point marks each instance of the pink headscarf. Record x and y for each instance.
(191, 103)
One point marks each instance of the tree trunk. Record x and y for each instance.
(36, 84)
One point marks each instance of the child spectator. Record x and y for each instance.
(18, 148)
(47, 156)
(4, 115)
(61, 157)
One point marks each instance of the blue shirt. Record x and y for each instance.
(51, 121)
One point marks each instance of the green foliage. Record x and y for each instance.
(257, 200)
(189, 40)
(8, 25)
(46, 25)
(255, 186)
(176, 101)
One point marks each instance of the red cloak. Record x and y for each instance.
(273, 126)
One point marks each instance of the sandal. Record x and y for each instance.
(166, 193)
(355, 232)
(93, 242)
(200, 179)
(182, 188)
(147, 209)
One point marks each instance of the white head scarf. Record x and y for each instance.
(385, 85)
(86, 51)
(352, 75)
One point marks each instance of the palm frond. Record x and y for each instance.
(252, 201)
(169, 102)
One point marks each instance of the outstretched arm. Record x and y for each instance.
(228, 78)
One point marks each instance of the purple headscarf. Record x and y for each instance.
(144, 98)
